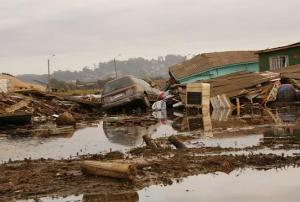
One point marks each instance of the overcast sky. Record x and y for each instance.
(84, 32)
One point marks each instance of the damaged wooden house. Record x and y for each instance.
(211, 65)
(217, 69)
(238, 78)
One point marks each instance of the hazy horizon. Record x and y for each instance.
(86, 32)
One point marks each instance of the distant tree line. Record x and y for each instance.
(139, 67)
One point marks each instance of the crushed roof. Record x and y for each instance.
(207, 61)
(279, 48)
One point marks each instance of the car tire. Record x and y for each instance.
(139, 110)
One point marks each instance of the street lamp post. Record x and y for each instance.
(49, 77)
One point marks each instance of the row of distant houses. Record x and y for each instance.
(211, 65)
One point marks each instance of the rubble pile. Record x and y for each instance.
(45, 107)
(244, 88)
(291, 75)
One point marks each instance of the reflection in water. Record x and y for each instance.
(127, 135)
(286, 125)
(282, 133)
(90, 140)
(132, 135)
(194, 123)
(207, 125)
(228, 132)
(284, 115)
(121, 197)
(188, 123)
(225, 130)
(221, 114)
(240, 185)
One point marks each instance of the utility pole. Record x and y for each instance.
(116, 73)
(115, 63)
(49, 77)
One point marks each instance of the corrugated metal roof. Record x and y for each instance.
(207, 61)
(279, 48)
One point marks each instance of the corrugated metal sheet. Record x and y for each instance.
(207, 61)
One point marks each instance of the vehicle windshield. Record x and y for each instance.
(117, 84)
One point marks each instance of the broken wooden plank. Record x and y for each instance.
(176, 142)
(19, 105)
(149, 142)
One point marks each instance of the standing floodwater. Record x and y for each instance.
(228, 131)
(274, 185)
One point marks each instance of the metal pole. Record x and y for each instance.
(115, 68)
(49, 79)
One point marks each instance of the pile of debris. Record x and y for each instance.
(244, 88)
(291, 75)
(24, 107)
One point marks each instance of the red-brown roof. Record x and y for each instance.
(207, 61)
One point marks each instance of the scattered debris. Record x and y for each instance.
(58, 177)
(17, 106)
(176, 142)
(245, 88)
(149, 142)
(20, 118)
(65, 118)
(44, 107)
(29, 111)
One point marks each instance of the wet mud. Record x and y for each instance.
(39, 178)
(260, 141)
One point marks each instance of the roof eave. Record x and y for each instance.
(278, 48)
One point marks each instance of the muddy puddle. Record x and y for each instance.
(90, 140)
(227, 130)
(240, 185)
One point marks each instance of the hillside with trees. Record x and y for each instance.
(139, 67)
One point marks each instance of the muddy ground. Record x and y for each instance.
(278, 147)
(39, 178)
